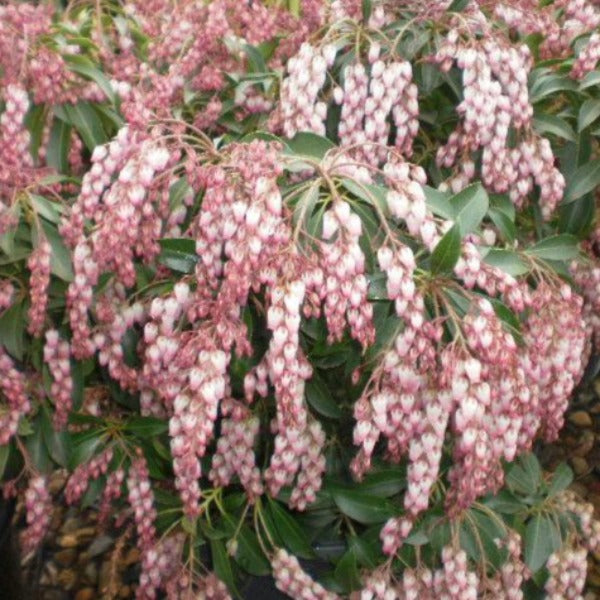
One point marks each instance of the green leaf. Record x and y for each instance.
(305, 206)
(374, 195)
(346, 571)
(85, 446)
(447, 252)
(584, 180)
(289, 531)
(507, 260)
(38, 451)
(178, 254)
(87, 122)
(222, 565)
(561, 479)
(439, 203)
(361, 507)
(309, 144)
(542, 538)
(385, 483)
(557, 247)
(525, 476)
(577, 217)
(249, 554)
(505, 502)
(367, 7)
(60, 259)
(51, 211)
(588, 113)
(319, 398)
(35, 121)
(469, 206)
(147, 426)
(592, 79)
(549, 85)
(12, 330)
(4, 453)
(545, 124)
(84, 66)
(57, 442)
(58, 146)
(504, 224)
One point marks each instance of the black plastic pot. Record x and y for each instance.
(11, 587)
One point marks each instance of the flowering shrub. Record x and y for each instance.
(303, 282)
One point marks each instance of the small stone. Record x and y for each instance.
(87, 593)
(579, 489)
(49, 575)
(586, 444)
(579, 465)
(100, 545)
(71, 524)
(132, 557)
(581, 418)
(85, 532)
(67, 578)
(91, 573)
(66, 557)
(104, 577)
(57, 481)
(68, 541)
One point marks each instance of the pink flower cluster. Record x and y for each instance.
(567, 568)
(235, 451)
(78, 481)
(588, 57)
(38, 507)
(495, 99)
(344, 281)
(292, 580)
(39, 265)
(7, 291)
(507, 581)
(367, 101)
(14, 390)
(556, 337)
(300, 109)
(298, 441)
(192, 423)
(141, 500)
(406, 199)
(16, 162)
(57, 354)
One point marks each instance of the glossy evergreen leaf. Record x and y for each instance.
(545, 124)
(556, 247)
(221, 563)
(310, 145)
(361, 507)
(469, 207)
(179, 254)
(588, 113)
(249, 554)
(542, 538)
(319, 398)
(561, 479)
(446, 253)
(507, 260)
(582, 181)
(58, 146)
(289, 531)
